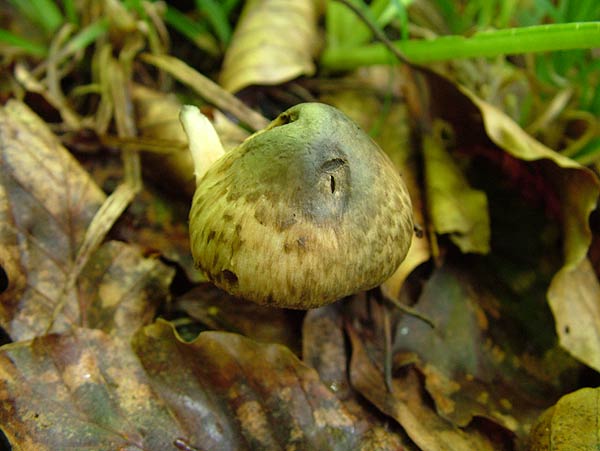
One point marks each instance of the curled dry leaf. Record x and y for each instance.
(574, 299)
(454, 207)
(570, 425)
(569, 188)
(409, 407)
(274, 42)
(467, 372)
(578, 189)
(229, 392)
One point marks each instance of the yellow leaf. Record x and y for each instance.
(274, 42)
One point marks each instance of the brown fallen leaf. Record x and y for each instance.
(47, 201)
(407, 405)
(468, 372)
(570, 425)
(86, 390)
(274, 41)
(47, 205)
(120, 289)
(229, 392)
(455, 208)
(324, 348)
(216, 309)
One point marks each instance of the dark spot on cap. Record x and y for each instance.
(210, 236)
(3, 280)
(286, 223)
(252, 196)
(227, 217)
(229, 276)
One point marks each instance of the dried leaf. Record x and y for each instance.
(455, 208)
(274, 42)
(570, 425)
(81, 390)
(85, 390)
(406, 404)
(230, 392)
(120, 289)
(578, 186)
(573, 297)
(468, 373)
(47, 203)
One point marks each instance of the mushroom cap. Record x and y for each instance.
(301, 214)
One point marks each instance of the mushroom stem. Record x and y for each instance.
(203, 140)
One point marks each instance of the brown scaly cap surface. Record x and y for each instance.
(301, 214)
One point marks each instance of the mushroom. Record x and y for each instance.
(301, 214)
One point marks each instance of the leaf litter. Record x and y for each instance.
(106, 374)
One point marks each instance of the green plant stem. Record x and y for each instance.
(512, 41)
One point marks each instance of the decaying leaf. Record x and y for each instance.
(48, 203)
(218, 310)
(407, 405)
(576, 185)
(324, 348)
(120, 289)
(86, 390)
(274, 42)
(573, 297)
(467, 372)
(81, 390)
(570, 425)
(229, 392)
(455, 208)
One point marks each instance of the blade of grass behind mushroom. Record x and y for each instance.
(207, 89)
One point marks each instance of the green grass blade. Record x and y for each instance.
(217, 19)
(194, 31)
(26, 45)
(87, 35)
(512, 41)
(42, 12)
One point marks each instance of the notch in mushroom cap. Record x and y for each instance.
(302, 213)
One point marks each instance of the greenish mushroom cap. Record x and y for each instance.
(301, 214)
